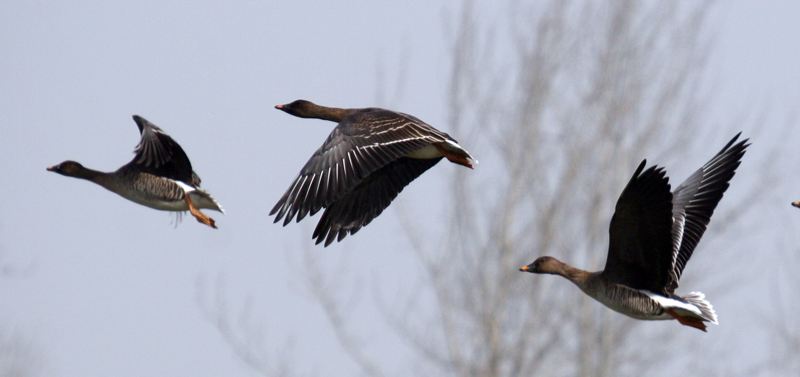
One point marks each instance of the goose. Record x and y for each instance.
(160, 176)
(368, 158)
(652, 236)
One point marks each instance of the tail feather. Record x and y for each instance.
(698, 299)
(203, 199)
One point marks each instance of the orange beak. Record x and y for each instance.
(524, 268)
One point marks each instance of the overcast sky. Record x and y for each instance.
(104, 287)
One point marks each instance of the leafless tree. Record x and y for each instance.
(784, 325)
(19, 356)
(245, 336)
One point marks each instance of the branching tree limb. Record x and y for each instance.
(244, 335)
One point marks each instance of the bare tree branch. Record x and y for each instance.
(19, 357)
(330, 303)
(244, 335)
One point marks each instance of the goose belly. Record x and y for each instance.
(151, 191)
(159, 193)
(201, 200)
(631, 302)
(157, 201)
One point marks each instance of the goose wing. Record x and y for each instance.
(694, 202)
(158, 154)
(360, 145)
(640, 247)
(368, 199)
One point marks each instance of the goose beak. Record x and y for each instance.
(51, 168)
(279, 107)
(796, 203)
(524, 268)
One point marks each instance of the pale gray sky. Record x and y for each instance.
(110, 287)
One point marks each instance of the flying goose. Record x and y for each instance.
(652, 236)
(160, 176)
(368, 158)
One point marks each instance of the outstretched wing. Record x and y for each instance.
(694, 202)
(367, 200)
(640, 247)
(360, 145)
(158, 154)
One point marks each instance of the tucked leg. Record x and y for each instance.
(200, 216)
(688, 321)
(454, 156)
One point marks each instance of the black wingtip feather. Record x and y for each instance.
(277, 206)
(640, 167)
(733, 140)
(140, 122)
(287, 219)
(331, 236)
(342, 234)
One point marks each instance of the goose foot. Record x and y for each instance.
(200, 216)
(454, 157)
(688, 321)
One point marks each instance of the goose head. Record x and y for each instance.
(300, 108)
(544, 265)
(68, 168)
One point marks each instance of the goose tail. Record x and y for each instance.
(203, 199)
(698, 299)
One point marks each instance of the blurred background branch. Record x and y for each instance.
(19, 357)
(245, 336)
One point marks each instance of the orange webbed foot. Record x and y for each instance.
(688, 321)
(200, 216)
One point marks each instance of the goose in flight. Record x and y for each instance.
(368, 158)
(160, 176)
(652, 236)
